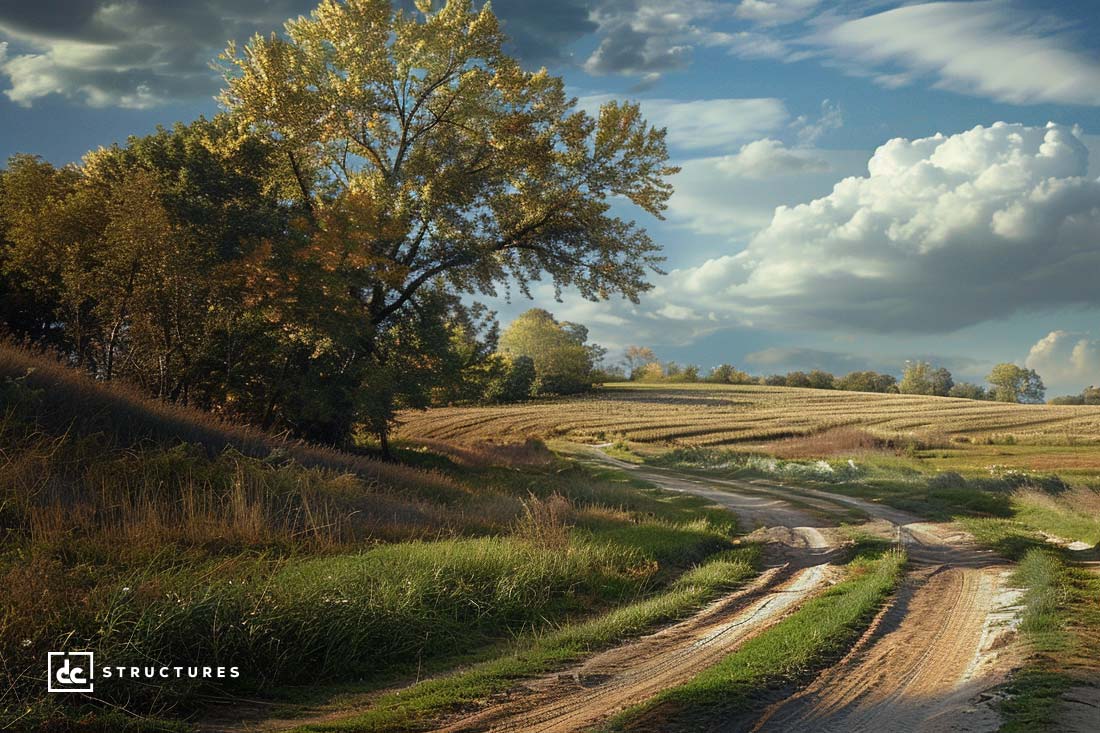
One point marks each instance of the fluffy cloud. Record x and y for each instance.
(767, 158)
(943, 232)
(991, 48)
(1064, 358)
(735, 195)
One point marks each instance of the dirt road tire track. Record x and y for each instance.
(908, 668)
(614, 680)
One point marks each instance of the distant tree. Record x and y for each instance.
(1014, 383)
(1088, 396)
(637, 357)
(690, 373)
(728, 374)
(968, 390)
(775, 380)
(563, 361)
(797, 379)
(515, 382)
(942, 382)
(821, 379)
(651, 372)
(605, 373)
(917, 378)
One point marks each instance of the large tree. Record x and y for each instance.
(419, 155)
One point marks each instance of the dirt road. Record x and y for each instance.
(930, 657)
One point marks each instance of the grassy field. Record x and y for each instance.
(152, 534)
(721, 415)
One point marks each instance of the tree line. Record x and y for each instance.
(306, 259)
(1006, 382)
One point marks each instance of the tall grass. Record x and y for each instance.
(151, 533)
(413, 709)
(356, 616)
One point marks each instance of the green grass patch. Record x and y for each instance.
(671, 545)
(783, 654)
(1060, 622)
(415, 708)
(1035, 691)
(1059, 521)
(1008, 537)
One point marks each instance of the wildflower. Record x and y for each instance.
(25, 643)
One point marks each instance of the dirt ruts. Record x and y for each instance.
(930, 659)
(614, 680)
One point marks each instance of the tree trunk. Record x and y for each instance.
(384, 441)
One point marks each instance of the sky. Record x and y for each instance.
(862, 183)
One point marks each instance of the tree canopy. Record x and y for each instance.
(559, 350)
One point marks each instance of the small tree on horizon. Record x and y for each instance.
(1014, 383)
(637, 357)
(917, 378)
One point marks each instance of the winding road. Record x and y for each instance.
(927, 662)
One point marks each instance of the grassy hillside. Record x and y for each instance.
(154, 534)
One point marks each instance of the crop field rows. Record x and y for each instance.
(711, 415)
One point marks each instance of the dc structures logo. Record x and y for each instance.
(70, 671)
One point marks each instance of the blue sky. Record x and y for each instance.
(978, 246)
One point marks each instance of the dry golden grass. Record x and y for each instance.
(707, 415)
(99, 464)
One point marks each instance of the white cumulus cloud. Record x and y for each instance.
(767, 157)
(735, 195)
(1065, 358)
(942, 232)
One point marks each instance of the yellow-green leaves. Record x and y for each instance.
(474, 169)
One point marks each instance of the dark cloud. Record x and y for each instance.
(627, 51)
(649, 37)
(134, 54)
(148, 52)
(542, 32)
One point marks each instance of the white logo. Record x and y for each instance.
(70, 671)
